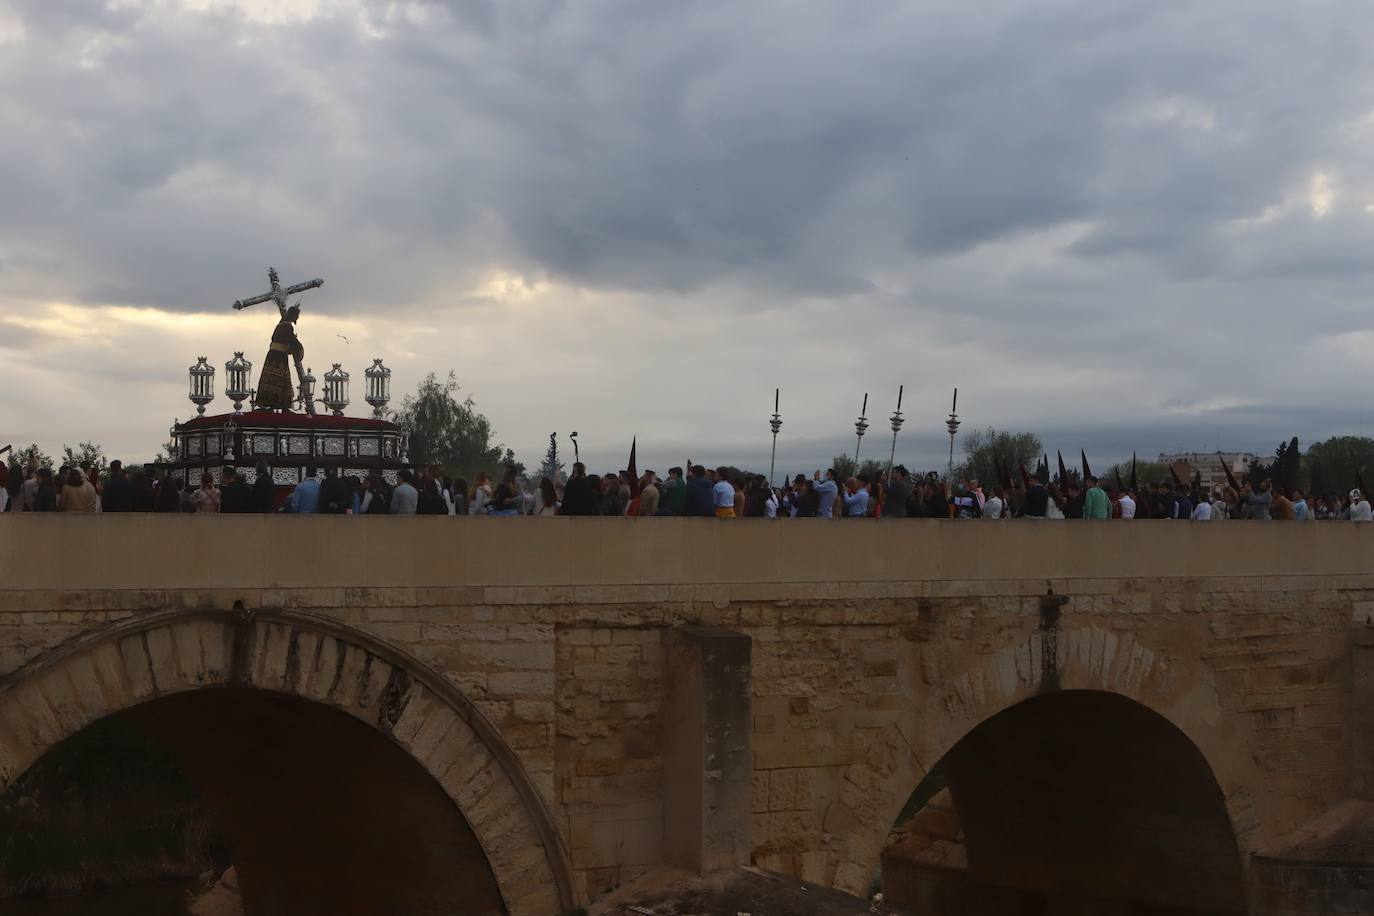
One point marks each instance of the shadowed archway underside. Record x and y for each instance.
(1080, 799)
(375, 737)
(321, 813)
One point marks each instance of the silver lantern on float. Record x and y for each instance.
(336, 390)
(378, 381)
(202, 384)
(308, 391)
(238, 374)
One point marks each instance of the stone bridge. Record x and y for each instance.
(424, 715)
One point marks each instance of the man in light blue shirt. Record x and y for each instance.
(305, 498)
(405, 499)
(826, 490)
(1300, 511)
(855, 499)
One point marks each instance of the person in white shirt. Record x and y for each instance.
(1359, 507)
(996, 505)
(546, 499)
(1127, 504)
(1203, 512)
(770, 504)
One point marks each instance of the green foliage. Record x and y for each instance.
(845, 468)
(22, 456)
(982, 445)
(1335, 462)
(87, 452)
(1259, 471)
(551, 467)
(1287, 464)
(450, 433)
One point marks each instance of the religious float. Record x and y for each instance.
(281, 428)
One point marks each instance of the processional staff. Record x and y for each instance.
(776, 424)
(952, 424)
(896, 420)
(860, 427)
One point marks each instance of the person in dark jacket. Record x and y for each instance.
(142, 496)
(578, 498)
(699, 496)
(1073, 505)
(1037, 501)
(45, 499)
(118, 494)
(264, 496)
(335, 498)
(428, 499)
(674, 494)
(377, 499)
(897, 495)
(234, 495)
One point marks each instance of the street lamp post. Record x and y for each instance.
(896, 419)
(776, 424)
(860, 427)
(953, 425)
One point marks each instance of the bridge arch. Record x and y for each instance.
(874, 792)
(165, 658)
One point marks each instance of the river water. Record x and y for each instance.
(140, 900)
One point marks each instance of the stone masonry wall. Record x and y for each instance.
(867, 666)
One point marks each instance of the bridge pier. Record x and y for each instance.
(707, 758)
(1327, 865)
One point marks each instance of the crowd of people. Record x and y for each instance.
(695, 491)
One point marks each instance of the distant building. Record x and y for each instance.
(1210, 464)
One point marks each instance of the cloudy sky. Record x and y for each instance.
(1121, 225)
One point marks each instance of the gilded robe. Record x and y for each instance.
(275, 390)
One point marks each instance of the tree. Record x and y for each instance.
(981, 446)
(1258, 471)
(22, 456)
(1147, 474)
(508, 461)
(445, 431)
(551, 467)
(1339, 458)
(1287, 463)
(845, 468)
(87, 452)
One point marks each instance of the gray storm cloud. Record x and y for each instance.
(1084, 211)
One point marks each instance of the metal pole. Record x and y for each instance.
(860, 427)
(953, 425)
(896, 425)
(776, 424)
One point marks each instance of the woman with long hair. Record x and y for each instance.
(77, 494)
(460, 496)
(546, 500)
(507, 498)
(481, 494)
(206, 499)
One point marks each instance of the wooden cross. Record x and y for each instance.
(279, 295)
